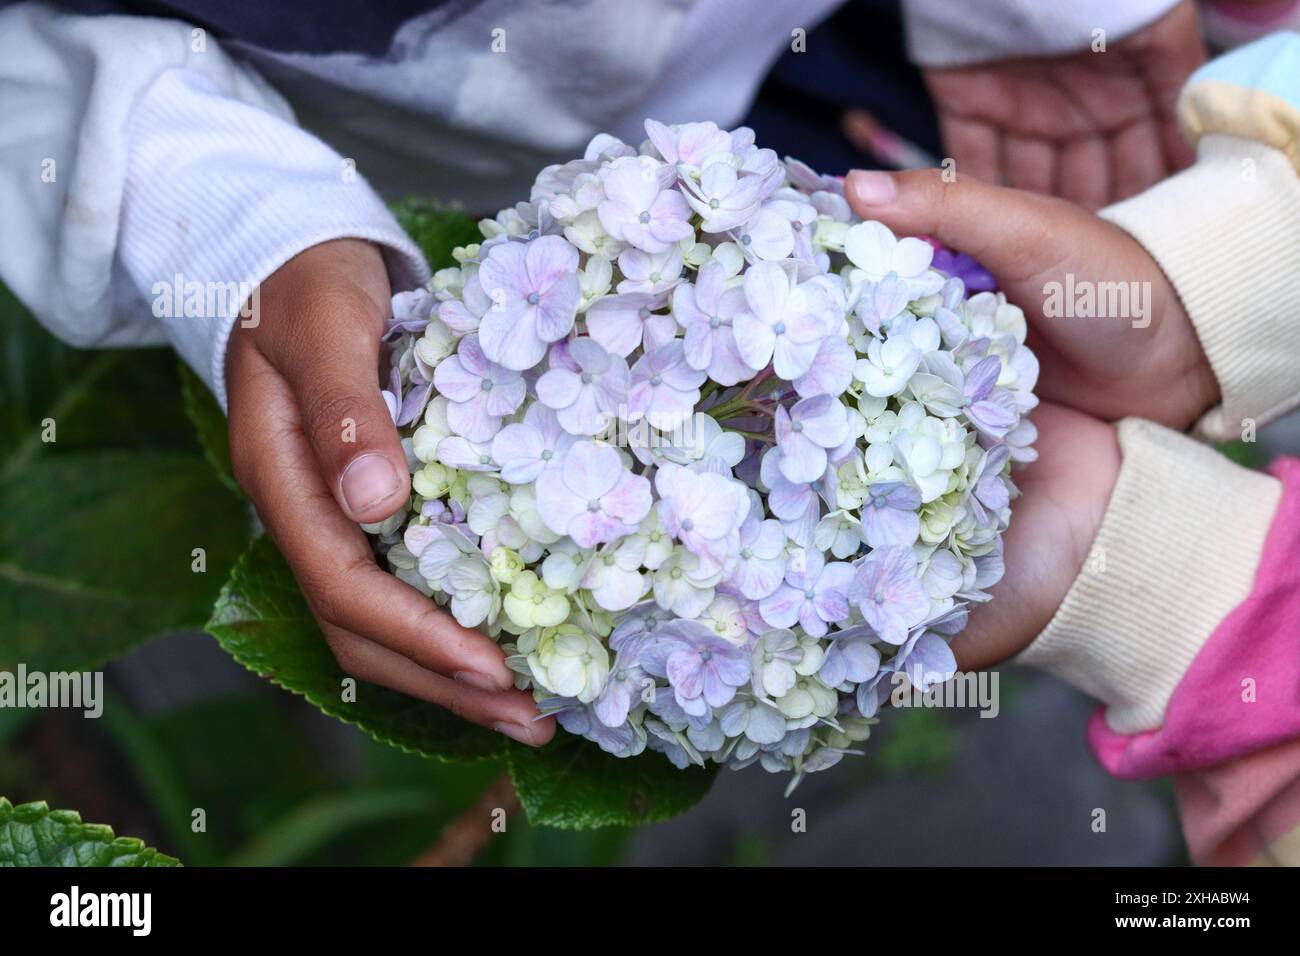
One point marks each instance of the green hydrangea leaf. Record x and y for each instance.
(436, 229)
(106, 497)
(209, 425)
(263, 621)
(98, 553)
(31, 834)
(574, 785)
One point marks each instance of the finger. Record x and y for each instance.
(326, 345)
(329, 554)
(1137, 160)
(512, 712)
(1177, 50)
(1030, 164)
(1017, 235)
(1083, 172)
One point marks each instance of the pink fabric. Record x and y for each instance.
(1240, 812)
(1207, 721)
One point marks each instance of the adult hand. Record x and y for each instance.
(1045, 253)
(315, 448)
(1094, 127)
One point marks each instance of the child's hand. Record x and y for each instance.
(315, 448)
(1095, 127)
(1148, 363)
(1053, 525)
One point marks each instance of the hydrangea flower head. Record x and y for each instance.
(716, 463)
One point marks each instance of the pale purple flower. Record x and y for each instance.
(889, 515)
(702, 668)
(591, 497)
(988, 493)
(805, 432)
(534, 291)
(392, 395)
(765, 235)
(664, 387)
(465, 455)
(926, 659)
(809, 180)
(580, 719)
(755, 720)
(705, 311)
(760, 565)
(887, 590)
(783, 325)
(704, 511)
(585, 398)
(621, 323)
(465, 315)
(831, 372)
(973, 276)
(815, 594)
(849, 659)
(638, 209)
(479, 392)
(801, 216)
(411, 312)
(795, 503)
(622, 691)
(636, 625)
(649, 273)
(524, 449)
(992, 410)
(724, 199)
(879, 303)
(686, 146)
(443, 512)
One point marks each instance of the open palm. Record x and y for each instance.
(1094, 127)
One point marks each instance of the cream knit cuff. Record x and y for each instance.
(1227, 234)
(1177, 550)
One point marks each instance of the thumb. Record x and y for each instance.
(1015, 234)
(327, 349)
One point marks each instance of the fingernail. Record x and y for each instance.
(367, 481)
(515, 732)
(480, 681)
(872, 187)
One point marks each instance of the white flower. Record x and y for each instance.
(531, 603)
(570, 663)
(840, 533)
(614, 575)
(888, 367)
(928, 449)
(726, 618)
(876, 252)
(681, 586)
(475, 594)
